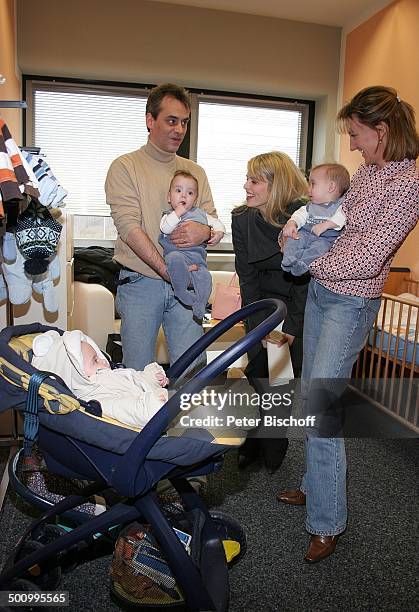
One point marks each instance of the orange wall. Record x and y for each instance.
(384, 50)
(11, 90)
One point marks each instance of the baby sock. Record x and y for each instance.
(3, 290)
(59, 197)
(47, 190)
(44, 285)
(18, 283)
(9, 247)
(54, 267)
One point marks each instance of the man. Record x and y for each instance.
(136, 190)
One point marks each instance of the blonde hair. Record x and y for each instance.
(336, 173)
(286, 182)
(378, 104)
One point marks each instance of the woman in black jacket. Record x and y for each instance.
(274, 188)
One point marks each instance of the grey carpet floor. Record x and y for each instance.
(374, 567)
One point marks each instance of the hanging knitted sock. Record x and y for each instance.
(43, 284)
(47, 190)
(54, 267)
(3, 290)
(39, 168)
(59, 197)
(31, 187)
(51, 191)
(19, 285)
(9, 247)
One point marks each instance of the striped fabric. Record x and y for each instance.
(15, 175)
(51, 193)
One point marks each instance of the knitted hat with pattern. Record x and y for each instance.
(37, 236)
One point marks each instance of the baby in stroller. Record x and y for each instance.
(77, 444)
(127, 395)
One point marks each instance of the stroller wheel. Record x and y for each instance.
(48, 577)
(68, 559)
(49, 533)
(230, 529)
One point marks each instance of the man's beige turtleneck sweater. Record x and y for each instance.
(136, 188)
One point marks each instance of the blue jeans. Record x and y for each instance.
(299, 254)
(143, 305)
(335, 329)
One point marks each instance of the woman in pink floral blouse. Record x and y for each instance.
(382, 207)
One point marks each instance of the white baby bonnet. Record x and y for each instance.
(62, 355)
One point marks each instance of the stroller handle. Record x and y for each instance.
(238, 348)
(142, 444)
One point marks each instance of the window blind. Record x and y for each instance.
(229, 134)
(81, 129)
(80, 134)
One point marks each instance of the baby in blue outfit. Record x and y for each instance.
(182, 196)
(313, 228)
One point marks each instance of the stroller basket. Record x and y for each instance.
(77, 444)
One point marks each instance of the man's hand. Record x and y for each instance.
(215, 237)
(191, 268)
(189, 234)
(165, 274)
(142, 246)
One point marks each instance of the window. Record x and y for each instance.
(231, 132)
(81, 132)
(82, 129)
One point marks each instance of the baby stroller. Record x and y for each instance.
(77, 442)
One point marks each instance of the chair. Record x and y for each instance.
(94, 313)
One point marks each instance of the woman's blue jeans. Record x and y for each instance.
(335, 329)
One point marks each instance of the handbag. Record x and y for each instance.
(227, 299)
(279, 361)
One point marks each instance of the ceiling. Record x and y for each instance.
(326, 12)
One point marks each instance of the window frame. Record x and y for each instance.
(189, 146)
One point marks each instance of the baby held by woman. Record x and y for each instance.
(125, 394)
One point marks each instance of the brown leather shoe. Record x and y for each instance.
(320, 547)
(295, 498)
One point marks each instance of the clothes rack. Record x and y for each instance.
(34, 150)
(13, 104)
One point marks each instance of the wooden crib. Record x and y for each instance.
(386, 372)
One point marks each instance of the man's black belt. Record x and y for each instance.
(124, 281)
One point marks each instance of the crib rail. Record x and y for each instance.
(386, 372)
